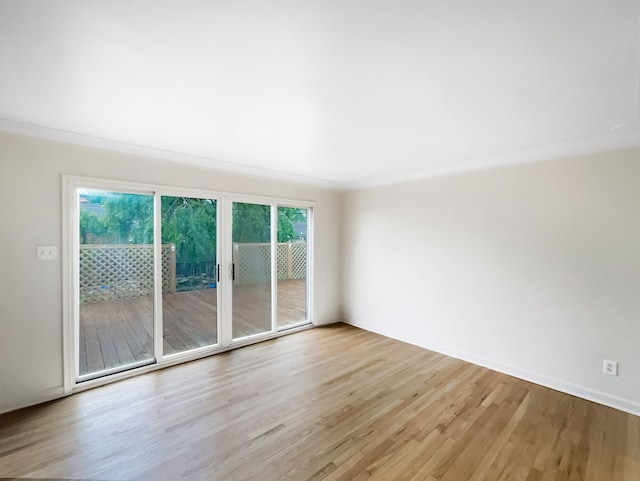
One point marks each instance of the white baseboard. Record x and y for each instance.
(23, 402)
(622, 404)
(329, 322)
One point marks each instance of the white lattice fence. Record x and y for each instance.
(292, 260)
(298, 260)
(253, 262)
(283, 265)
(123, 271)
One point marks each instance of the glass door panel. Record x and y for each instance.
(115, 277)
(292, 266)
(189, 270)
(251, 297)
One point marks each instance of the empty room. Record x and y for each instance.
(320, 240)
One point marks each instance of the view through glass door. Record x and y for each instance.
(251, 269)
(292, 266)
(189, 274)
(253, 290)
(147, 283)
(116, 282)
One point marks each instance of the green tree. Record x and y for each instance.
(190, 224)
(122, 218)
(91, 226)
(286, 217)
(129, 218)
(251, 223)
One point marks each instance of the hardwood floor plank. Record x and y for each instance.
(328, 404)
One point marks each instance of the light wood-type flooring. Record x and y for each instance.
(331, 403)
(120, 332)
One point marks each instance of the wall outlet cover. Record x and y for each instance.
(610, 367)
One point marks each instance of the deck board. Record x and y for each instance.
(119, 332)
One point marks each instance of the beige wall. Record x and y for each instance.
(31, 213)
(532, 270)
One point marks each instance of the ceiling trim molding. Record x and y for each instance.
(48, 133)
(620, 137)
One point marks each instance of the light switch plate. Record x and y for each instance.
(47, 253)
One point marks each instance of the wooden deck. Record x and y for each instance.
(120, 332)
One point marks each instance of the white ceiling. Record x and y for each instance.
(352, 92)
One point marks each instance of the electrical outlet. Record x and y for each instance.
(47, 253)
(610, 367)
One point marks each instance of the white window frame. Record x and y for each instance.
(70, 226)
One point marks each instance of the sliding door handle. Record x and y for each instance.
(217, 272)
(233, 271)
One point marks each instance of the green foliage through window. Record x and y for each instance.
(189, 223)
(116, 218)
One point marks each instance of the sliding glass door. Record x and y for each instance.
(267, 295)
(189, 274)
(115, 281)
(292, 266)
(158, 276)
(251, 269)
